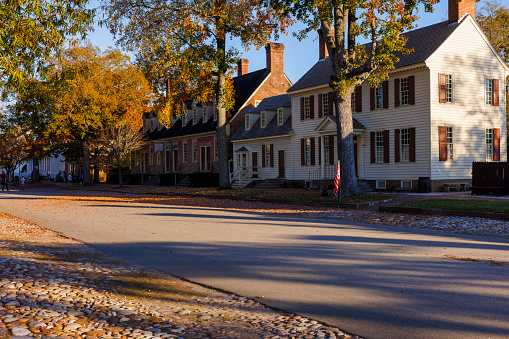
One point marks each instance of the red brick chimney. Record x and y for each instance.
(323, 51)
(458, 9)
(275, 57)
(242, 67)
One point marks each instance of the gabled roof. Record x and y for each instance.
(424, 41)
(245, 85)
(272, 128)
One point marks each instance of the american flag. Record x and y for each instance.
(337, 183)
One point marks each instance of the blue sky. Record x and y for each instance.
(299, 56)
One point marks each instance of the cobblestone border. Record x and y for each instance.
(3, 330)
(433, 211)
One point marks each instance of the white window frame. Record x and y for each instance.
(379, 97)
(307, 108)
(379, 147)
(184, 151)
(404, 91)
(352, 101)
(267, 155)
(195, 115)
(195, 151)
(204, 113)
(488, 92)
(307, 152)
(404, 145)
(326, 148)
(489, 143)
(325, 104)
(450, 134)
(248, 125)
(381, 184)
(257, 102)
(280, 116)
(263, 119)
(158, 158)
(406, 181)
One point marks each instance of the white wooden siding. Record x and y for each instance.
(256, 146)
(469, 59)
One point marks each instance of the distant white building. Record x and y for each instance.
(48, 165)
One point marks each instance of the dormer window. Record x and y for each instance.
(280, 116)
(263, 119)
(151, 124)
(195, 115)
(257, 102)
(204, 113)
(247, 122)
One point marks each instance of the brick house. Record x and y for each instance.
(190, 144)
(442, 108)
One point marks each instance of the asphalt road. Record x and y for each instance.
(372, 281)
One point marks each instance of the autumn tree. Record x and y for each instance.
(343, 23)
(32, 30)
(13, 149)
(33, 110)
(100, 90)
(183, 45)
(117, 144)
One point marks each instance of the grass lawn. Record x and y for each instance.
(305, 196)
(460, 204)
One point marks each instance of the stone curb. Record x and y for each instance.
(3, 330)
(433, 211)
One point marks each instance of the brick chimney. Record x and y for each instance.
(242, 67)
(459, 8)
(323, 51)
(275, 57)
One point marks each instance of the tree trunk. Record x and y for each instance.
(96, 175)
(224, 172)
(120, 176)
(344, 124)
(35, 170)
(86, 161)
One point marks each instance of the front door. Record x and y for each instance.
(281, 164)
(205, 158)
(254, 163)
(175, 160)
(355, 158)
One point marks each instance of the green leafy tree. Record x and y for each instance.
(343, 23)
(100, 90)
(182, 45)
(117, 144)
(32, 30)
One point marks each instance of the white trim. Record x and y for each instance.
(281, 136)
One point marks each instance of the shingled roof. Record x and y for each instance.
(272, 128)
(424, 41)
(245, 85)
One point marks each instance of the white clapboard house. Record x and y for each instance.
(442, 108)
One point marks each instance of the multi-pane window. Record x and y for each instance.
(326, 148)
(489, 91)
(404, 136)
(379, 146)
(248, 125)
(216, 150)
(450, 144)
(204, 111)
(352, 103)
(215, 112)
(307, 152)
(195, 115)
(325, 104)
(449, 87)
(489, 144)
(151, 124)
(307, 108)
(404, 91)
(263, 119)
(158, 158)
(379, 97)
(195, 151)
(150, 156)
(184, 152)
(280, 116)
(267, 155)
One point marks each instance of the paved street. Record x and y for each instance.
(370, 280)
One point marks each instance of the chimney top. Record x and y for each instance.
(323, 52)
(242, 67)
(275, 57)
(459, 8)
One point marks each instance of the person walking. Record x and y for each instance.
(5, 182)
(22, 182)
(69, 178)
(81, 179)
